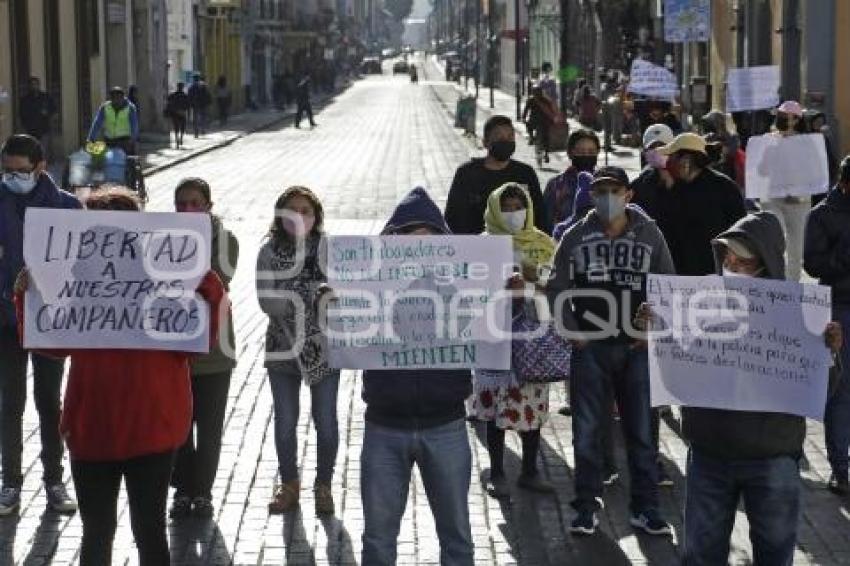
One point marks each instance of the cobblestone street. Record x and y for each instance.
(374, 142)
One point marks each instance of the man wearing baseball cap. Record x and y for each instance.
(699, 205)
(597, 283)
(791, 210)
(654, 180)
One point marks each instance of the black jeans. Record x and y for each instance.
(97, 485)
(304, 107)
(197, 460)
(13, 390)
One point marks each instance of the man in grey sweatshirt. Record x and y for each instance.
(598, 283)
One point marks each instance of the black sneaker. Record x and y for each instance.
(180, 508)
(838, 484)
(202, 508)
(585, 523)
(651, 523)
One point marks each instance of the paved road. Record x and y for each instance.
(375, 142)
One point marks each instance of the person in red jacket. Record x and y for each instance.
(125, 414)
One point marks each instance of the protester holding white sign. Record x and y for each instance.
(652, 81)
(746, 355)
(126, 410)
(783, 170)
(415, 415)
(752, 88)
(598, 282)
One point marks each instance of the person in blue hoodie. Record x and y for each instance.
(26, 184)
(416, 417)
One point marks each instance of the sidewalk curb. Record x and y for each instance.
(154, 169)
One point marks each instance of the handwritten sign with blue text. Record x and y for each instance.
(116, 280)
(415, 302)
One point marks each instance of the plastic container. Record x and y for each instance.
(115, 166)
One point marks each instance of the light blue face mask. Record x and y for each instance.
(20, 184)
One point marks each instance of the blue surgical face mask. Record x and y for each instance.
(20, 184)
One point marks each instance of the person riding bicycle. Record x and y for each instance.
(116, 122)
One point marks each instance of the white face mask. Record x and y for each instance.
(515, 220)
(18, 184)
(729, 273)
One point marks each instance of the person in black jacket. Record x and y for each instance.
(826, 256)
(701, 204)
(745, 454)
(474, 181)
(416, 416)
(36, 108)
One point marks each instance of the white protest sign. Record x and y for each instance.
(116, 280)
(652, 81)
(413, 302)
(779, 166)
(739, 343)
(752, 88)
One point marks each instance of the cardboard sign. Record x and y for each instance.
(652, 81)
(752, 88)
(739, 343)
(779, 166)
(415, 302)
(116, 280)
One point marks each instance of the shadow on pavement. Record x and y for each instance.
(197, 541)
(298, 548)
(340, 549)
(8, 530)
(44, 541)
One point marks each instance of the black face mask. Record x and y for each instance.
(502, 150)
(782, 123)
(584, 162)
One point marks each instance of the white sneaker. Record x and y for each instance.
(10, 500)
(59, 500)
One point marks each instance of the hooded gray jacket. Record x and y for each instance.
(588, 260)
(746, 435)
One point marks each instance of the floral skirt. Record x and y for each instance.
(498, 397)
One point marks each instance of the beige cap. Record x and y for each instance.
(738, 247)
(684, 142)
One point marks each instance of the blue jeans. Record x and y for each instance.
(445, 464)
(836, 419)
(597, 369)
(771, 491)
(286, 389)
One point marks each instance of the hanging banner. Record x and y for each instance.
(687, 20)
(752, 88)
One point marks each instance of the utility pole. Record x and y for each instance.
(477, 66)
(791, 50)
(564, 56)
(517, 61)
(491, 43)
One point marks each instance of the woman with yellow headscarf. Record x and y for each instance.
(498, 398)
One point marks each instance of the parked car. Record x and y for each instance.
(371, 66)
(400, 67)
